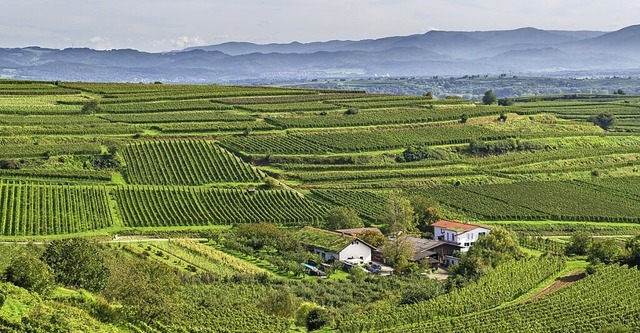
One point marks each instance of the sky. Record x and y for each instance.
(163, 25)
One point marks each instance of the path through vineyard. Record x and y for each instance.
(557, 284)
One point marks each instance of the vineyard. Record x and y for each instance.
(503, 284)
(36, 210)
(599, 301)
(243, 169)
(158, 206)
(185, 163)
(177, 141)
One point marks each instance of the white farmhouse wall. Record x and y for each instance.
(465, 239)
(356, 250)
(326, 255)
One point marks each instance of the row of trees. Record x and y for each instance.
(606, 251)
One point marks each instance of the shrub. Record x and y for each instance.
(29, 272)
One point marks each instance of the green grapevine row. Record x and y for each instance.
(182, 206)
(31, 210)
(192, 162)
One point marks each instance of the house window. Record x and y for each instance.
(482, 233)
(467, 244)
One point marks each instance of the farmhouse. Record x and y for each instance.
(460, 234)
(332, 245)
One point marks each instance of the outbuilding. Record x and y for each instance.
(332, 245)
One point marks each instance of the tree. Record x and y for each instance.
(343, 218)
(633, 246)
(505, 102)
(503, 117)
(317, 318)
(425, 290)
(246, 131)
(604, 120)
(398, 250)
(496, 247)
(428, 95)
(489, 98)
(351, 111)
(619, 92)
(10, 164)
(579, 244)
(281, 303)
(146, 290)
(90, 107)
(29, 272)
(463, 118)
(78, 263)
(426, 211)
(372, 237)
(399, 216)
(606, 252)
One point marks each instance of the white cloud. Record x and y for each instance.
(101, 43)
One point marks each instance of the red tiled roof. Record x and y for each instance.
(457, 226)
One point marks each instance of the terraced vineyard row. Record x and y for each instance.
(184, 206)
(192, 162)
(372, 140)
(177, 117)
(503, 284)
(223, 126)
(33, 209)
(288, 107)
(564, 201)
(274, 144)
(609, 298)
(163, 106)
(88, 129)
(538, 201)
(364, 175)
(368, 204)
(361, 140)
(381, 117)
(30, 149)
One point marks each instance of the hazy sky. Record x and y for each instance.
(159, 25)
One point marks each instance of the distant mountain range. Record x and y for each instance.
(527, 51)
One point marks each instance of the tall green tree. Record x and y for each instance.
(29, 272)
(604, 120)
(77, 263)
(146, 290)
(399, 216)
(606, 251)
(343, 218)
(580, 243)
(489, 98)
(400, 220)
(633, 246)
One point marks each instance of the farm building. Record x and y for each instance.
(460, 234)
(333, 245)
(434, 251)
